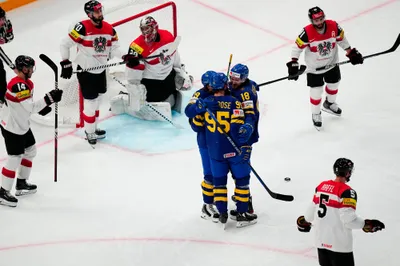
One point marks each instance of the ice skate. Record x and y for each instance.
(24, 188)
(7, 199)
(331, 108)
(317, 121)
(100, 133)
(223, 219)
(245, 219)
(208, 212)
(91, 138)
(250, 211)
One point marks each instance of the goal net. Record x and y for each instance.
(70, 108)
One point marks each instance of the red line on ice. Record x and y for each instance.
(303, 252)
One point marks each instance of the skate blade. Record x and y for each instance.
(318, 128)
(224, 226)
(101, 137)
(205, 216)
(25, 192)
(9, 204)
(232, 217)
(244, 224)
(330, 112)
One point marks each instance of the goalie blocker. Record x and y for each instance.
(157, 81)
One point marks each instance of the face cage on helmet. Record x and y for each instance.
(149, 33)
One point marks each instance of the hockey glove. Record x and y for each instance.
(9, 31)
(66, 69)
(355, 57)
(131, 60)
(303, 225)
(372, 226)
(245, 132)
(293, 69)
(200, 106)
(53, 96)
(45, 111)
(244, 156)
(211, 104)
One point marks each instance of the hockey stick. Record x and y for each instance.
(54, 67)
(229, 65)
(170, 50)
(270, 192)
(301, 71)
(6, 59)
(392, 49)
(152, 107)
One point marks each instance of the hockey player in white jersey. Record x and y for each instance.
(320, 41)
(157, 81)
(97, 42)
(332, 214)
(15, 128)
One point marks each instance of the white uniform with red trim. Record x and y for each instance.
(333, 215)
(95, 44)
(320, 49)
(156, 68)
(20, 105)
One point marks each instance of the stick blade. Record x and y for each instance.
(284, 197)
(49, 62)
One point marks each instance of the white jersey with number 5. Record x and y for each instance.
(333, 215)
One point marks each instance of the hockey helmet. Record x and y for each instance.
(207, 77)
(149, 28)
(24, 61)
(219, 82)
(316, 16)
(239, 73)
(91, 7)
(344, 168)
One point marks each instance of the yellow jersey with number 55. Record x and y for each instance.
(230, 117)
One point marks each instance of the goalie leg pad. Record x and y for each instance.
(155, 111)
(119, 104)
(89, 114)
(137, 96)
(178, 102)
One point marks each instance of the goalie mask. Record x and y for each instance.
(149, 29)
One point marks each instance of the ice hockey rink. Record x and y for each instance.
(136, 198)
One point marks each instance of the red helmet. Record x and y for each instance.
(149, 29)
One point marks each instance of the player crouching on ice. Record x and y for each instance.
(223, 157)
(157, 81)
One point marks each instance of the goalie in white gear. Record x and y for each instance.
(157, 81)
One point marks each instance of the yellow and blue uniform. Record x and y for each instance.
(246, 93)
(223, 156)
(196, 121)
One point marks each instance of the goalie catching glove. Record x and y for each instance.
(183, 81)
